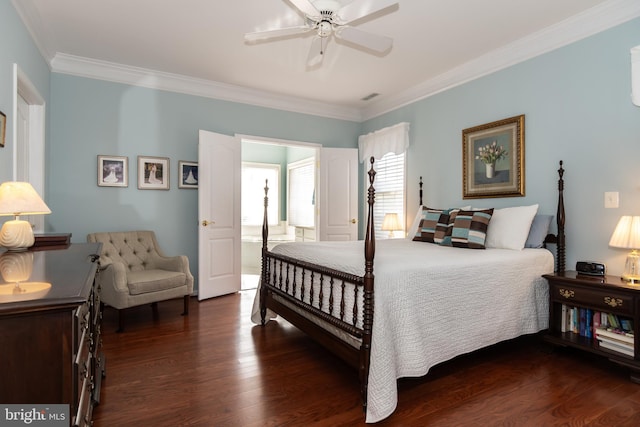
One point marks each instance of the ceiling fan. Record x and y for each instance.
(327, 18)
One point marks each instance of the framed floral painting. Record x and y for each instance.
(493, 159)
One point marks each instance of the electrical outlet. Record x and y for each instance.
(611, 199)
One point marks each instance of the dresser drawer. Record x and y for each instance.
(83, 413)
(596, 298)
(82, 316)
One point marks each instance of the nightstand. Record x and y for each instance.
(608, 294)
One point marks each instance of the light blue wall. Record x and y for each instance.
(16, 47)
(92, 117)
(577, 107)
(575, 99)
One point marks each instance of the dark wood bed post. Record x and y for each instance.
(367, 322)
(265, 236)
(420, 191)
(560, 251)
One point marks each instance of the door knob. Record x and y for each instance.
(353, 220)
(205, 222)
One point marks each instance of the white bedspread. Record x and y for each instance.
(433, 303)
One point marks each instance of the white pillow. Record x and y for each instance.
(411, 231)
(509, 227)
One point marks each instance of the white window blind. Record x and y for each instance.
(301, 183)
(390, 192)
(388, 146)
(253, 180)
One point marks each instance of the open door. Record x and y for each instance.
(338, 194)
(218, 215)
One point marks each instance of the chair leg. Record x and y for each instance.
(186, 306)
(120, 321)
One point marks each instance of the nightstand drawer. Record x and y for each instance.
(596, 298)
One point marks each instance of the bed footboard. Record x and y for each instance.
(333, 307)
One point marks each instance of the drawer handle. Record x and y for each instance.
(567, 293)
(613, 302)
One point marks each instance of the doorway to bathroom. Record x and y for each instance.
(290, 170)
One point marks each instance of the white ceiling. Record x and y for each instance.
(197, 46)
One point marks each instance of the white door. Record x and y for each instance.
(218, 215)
(338, 192)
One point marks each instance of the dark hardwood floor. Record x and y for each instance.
(215, 368)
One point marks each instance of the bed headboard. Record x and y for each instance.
(555, 239)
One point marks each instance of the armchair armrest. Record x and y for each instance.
(174, 263)
(112, 279)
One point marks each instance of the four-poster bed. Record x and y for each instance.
(326, 289)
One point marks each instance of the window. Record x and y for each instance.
(253, 180)
(302, 194)
(390, 190)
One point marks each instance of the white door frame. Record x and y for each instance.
(29, 154)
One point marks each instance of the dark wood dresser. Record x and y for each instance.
(50, 347)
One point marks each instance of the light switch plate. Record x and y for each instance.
(611, 199)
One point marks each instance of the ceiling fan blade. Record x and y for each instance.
(316, 53)
(306, 7)
(360, 8)
(371, 41)
(282, 32)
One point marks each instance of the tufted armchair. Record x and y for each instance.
(134, 271)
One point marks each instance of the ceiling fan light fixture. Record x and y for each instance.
(331, 17)
(324, 29)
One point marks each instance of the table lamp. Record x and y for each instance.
(390, 223)
(19, 198)
(627, 236)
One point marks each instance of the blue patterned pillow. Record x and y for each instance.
(434, 225)
(469, 229)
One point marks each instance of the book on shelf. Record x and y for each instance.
(616, 346)
(590, 323)
(614, 334)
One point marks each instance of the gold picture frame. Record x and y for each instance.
(493, 159)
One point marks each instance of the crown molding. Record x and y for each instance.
(592, 21)
(135, 76)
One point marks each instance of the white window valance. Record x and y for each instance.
(392, 139)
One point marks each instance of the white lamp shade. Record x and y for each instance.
(627, 233)
(20, 198)
(390, 222)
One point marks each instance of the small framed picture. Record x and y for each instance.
(153, 173)
(3, 128)
(187, 174)
(113, 171)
